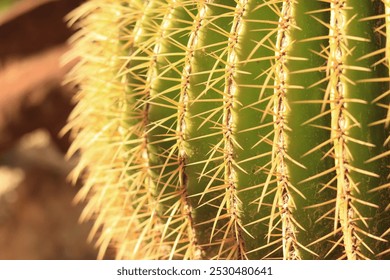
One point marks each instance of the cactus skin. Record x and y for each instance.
(234, 129)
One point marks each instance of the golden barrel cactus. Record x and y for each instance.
(234, 129)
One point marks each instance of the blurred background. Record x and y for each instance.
(38, 218)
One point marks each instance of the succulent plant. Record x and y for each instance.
(234, 129)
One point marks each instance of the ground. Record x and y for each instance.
(38, 216)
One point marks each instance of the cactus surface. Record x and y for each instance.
(234, 129)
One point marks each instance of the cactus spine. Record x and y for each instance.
(235, 129)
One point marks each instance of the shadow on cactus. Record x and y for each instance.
(221, 129)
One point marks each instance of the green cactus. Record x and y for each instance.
(234, 129)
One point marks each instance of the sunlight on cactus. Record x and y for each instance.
(234, 129)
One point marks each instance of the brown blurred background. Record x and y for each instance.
(38, 219)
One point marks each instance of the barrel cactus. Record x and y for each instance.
(234, 129)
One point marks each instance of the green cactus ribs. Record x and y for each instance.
(234, 129)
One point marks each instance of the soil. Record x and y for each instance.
(38, 218)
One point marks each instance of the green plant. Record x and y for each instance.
(226, 129)
(4, 4)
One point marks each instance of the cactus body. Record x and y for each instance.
(235, 129)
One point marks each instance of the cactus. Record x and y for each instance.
(234, 129)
